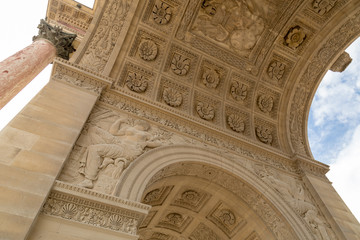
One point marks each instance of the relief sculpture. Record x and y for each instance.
(236, 24)
(294, 194)
(107, 145)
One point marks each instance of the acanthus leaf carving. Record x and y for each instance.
(236, 123)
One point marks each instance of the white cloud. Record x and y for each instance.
(345, 173)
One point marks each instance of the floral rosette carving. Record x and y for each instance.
(191, 196)
(180, 65)
(238, 91)
(276, 70)
(172, 97)
(227, 217)
(136, 82)
(323, 6)
(295, 37)
(236, 123)
(205, 111)
(264, 135)
(211, 78)
(265, 103)
(161, 13)
(148, 50)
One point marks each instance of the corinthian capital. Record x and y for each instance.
(61, 40)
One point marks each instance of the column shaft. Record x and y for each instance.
(19, 69)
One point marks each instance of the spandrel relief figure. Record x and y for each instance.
(125, 142)
(294, 194)
(236, 24)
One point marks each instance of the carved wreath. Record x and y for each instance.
(136, 82)
(172, 97)
(148, 50)
(162, 13)
(205, 111)
(180, 65)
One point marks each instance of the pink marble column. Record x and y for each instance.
(18, 70)
(22, 67)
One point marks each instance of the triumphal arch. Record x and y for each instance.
(174, 119)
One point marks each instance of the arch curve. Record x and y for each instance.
(134, 181)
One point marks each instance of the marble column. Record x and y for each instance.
(19, 69)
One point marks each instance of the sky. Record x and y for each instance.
(334, 120)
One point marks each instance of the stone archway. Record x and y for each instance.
(197, 163)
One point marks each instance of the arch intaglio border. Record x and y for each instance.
(153, 166)
(343, 31)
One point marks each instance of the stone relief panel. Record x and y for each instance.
(175, 221)
(106, 35)
(163, 15)
(277, 71)
(211, 77)
(190, 198)
(136, 79)
(235, 25)
(157, 196)
(108, 143)
(253, 236)
(267, 101)
(203, 232)
(320, 11)
(207, 108)
(174, 94)
(241, 90)
(226, 219)
(148, 49)
(266, 132)
(237, 120)
(181, 64)
(298, 197)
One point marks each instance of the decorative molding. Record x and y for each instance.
(341, 63)
(76, 204)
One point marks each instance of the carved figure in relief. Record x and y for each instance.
(294, 194)
(235, 23)
(127, 143)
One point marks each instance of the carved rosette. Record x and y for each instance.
(276, 70)
(148, 50)
(205, 111)
(157, 196)
(161, 13)
(172, 97)
(211, 78)
(236, 123)
(295, 37)
(238, 91)
(136, 82)
(180, 65)
(61, 40)
(323, 6)
(265, 103)
(175, 221)
(264, 134)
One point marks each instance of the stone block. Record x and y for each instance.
(51, 147)
(44, 129)
(23, 180)
(17, 137)
(13, 227)
(20, 203)
(7, 153)
(37, 162)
